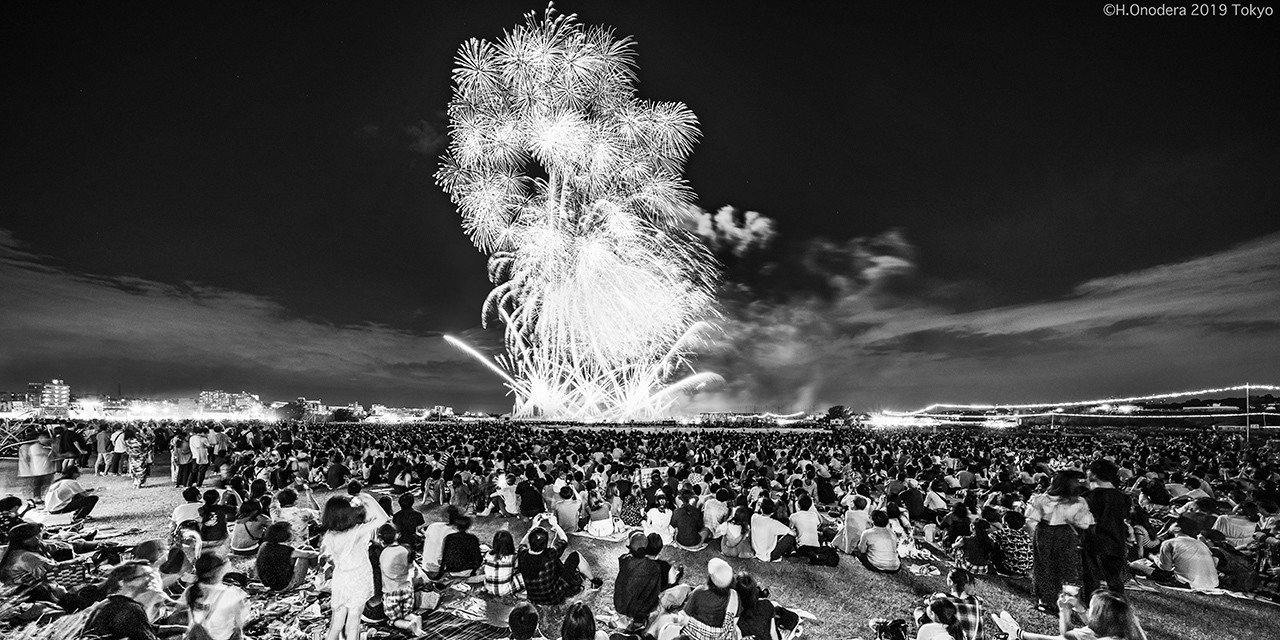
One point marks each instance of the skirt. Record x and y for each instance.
(351, 589)
(1056, 560)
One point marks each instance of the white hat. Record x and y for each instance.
(720, 572)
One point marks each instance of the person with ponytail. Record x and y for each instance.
(218, 611)
(941, 623)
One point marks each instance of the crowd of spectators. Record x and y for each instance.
(1079, 517)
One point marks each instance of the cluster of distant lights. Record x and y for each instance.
(930, 415)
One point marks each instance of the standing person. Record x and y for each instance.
(102, 438)
(199, 456)
(118, 452)
(349, 523)
(35, 461)
(138, 445)
(180, 459)
(218, 609)
(1055, 518)
(1104, 551)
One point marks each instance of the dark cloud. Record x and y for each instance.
(164, 339)
(881, 333)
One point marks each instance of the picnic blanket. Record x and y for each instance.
(620, 536)
(690, 549)
(441, 625)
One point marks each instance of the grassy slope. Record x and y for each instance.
(842, 598)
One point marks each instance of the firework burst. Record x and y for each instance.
(572, 186)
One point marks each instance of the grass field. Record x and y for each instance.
(842, 598)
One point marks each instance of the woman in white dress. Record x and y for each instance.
(350, 523)
(658, 519)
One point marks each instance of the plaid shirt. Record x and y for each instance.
(969, 613)
(543, 575)
(501, 576)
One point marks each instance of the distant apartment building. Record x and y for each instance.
(53, 397)
(219, 401)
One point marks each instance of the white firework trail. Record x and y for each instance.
(572, 186)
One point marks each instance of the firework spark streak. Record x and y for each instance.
(572, 186)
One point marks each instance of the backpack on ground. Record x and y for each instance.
(824, 557)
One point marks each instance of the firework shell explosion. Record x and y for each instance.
(572, 186)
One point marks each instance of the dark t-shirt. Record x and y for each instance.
(275, 565)
(1110, 507)
(757, 621)
(407, 522)
(688, 523)
(530, 499)
(707, 606)
(120, 617)
(640, 581)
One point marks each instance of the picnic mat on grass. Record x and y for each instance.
(440, 625)
(617, 537)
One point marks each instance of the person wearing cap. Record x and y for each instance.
(713, 607)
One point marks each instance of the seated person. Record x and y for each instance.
(433, 539)
(280, 565)
(189, 510)
(121, 615)
(759, 617)
(1183, 559)
(523, 622)
(11, 512)
(251, 525)
(408, 521)
(567, 509)
(461, 556)
(641, 580)
(67, 496)
(1014, 558)
(688, 522)
(399, 579)
(770, 539)
(878, 546)
(547, 579)
(301, 519)
(158, 605)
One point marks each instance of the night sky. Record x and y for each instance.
(971, 202)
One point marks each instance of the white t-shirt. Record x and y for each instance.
(199, 449)
(60, 494)
(933, 631)
(433, 544)
(1191, 560)
(186, 511)
(221, 611)
(765, 532)
(117, 441)
(806, 526)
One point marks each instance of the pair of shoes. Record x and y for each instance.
(1047, 609)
